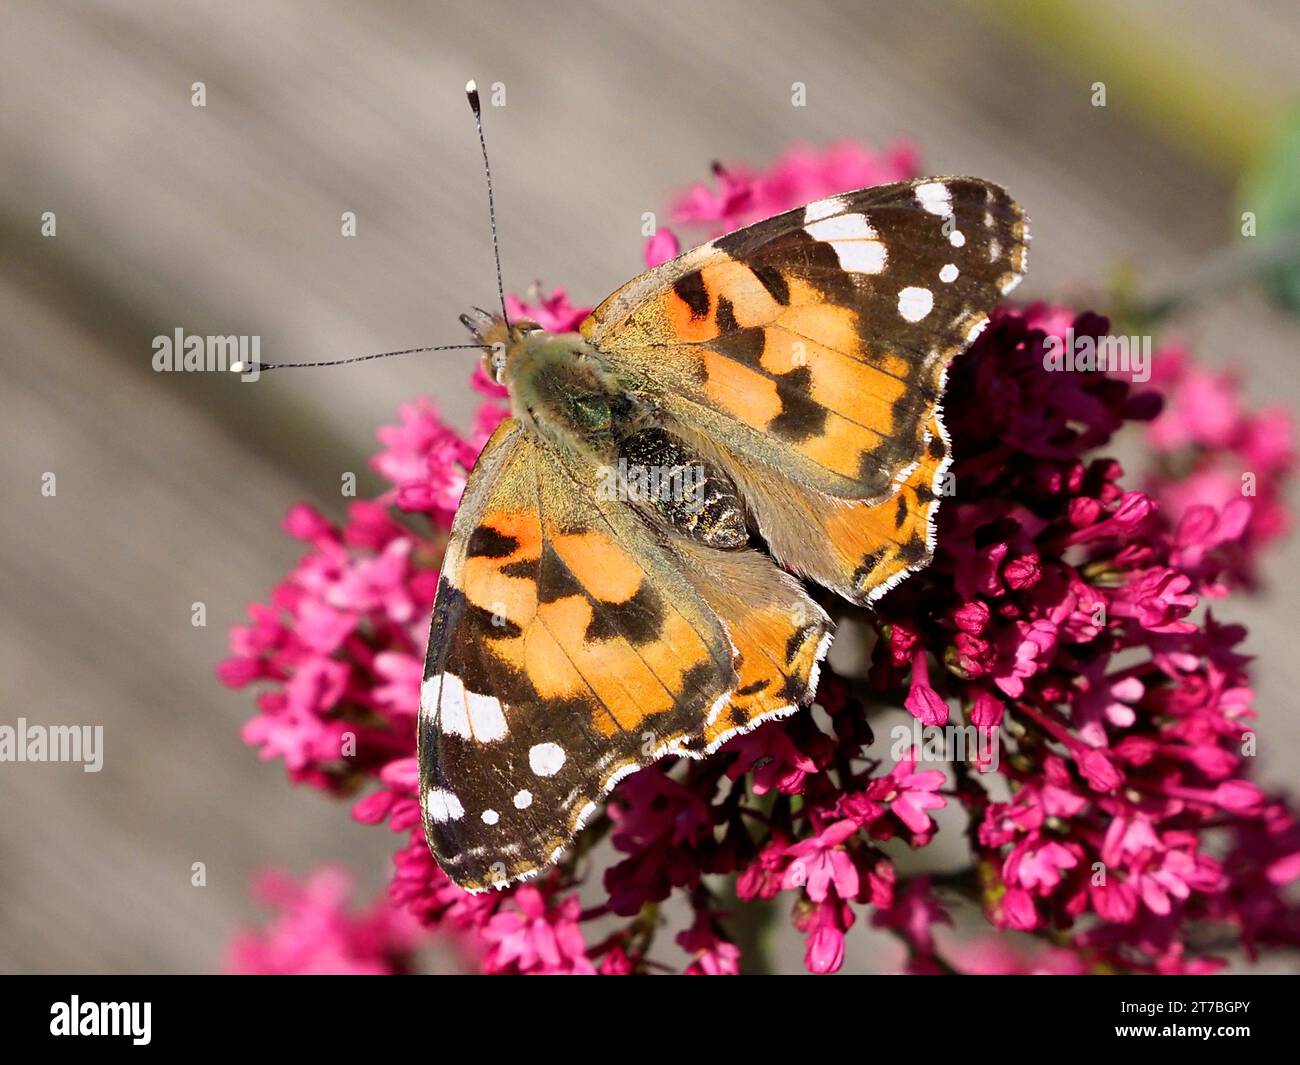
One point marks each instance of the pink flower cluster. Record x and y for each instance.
(1109, 807)
(314, 932)
(1221, 467)
(801, 174)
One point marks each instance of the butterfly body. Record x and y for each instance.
(564, 393)
(561, 390)
(616, 585)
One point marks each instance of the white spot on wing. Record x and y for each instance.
(948, 274)
(915, 303)
(490, 817)
(861, 256)
(429, 694)
(842, 227)
(486, 718)
(444, 696)
(957, 238)
(546, 759)
(442, 805)
(523, 799)
(856, 244)
(820, 209)
(462, 713)
(935, 198)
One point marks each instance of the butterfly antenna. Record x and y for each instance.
(240, 367)
(471, 90)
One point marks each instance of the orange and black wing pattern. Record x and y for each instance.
(576, 638)
(566, 650)
(815, 342)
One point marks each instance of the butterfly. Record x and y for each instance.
(623, 577)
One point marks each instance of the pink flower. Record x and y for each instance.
(923, 701)
(1201, 407)
(660, 248)
(909, 793)
(800, 175)
(1036, 863)
(1104, 702)
(1285, 870)
(1160, 870)
(397, 688)
(772, 760)
(914, 915)
(659, 823)
(314, 933)
(727, 205)
(820, 864)
(426, 461)
(824, 924)
(989, 956)
(553, 313)
(533, 936)
(714, 955)
(1157, 600)
(1016, 911)
(1023, 650)
(294, 727)
(1226, 456)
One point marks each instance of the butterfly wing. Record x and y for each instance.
(815, 342)
(805, 355)
(857, 548)
(566, 650)
(779, 633)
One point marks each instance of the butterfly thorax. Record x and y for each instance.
(563, 391)
(610, 433)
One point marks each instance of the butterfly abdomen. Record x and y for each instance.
(665, 479)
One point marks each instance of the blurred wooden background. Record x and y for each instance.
(226, 220)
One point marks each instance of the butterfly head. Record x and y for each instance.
(503, 342)
(559, 386)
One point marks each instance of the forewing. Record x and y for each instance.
(566, 650)
(815, 342)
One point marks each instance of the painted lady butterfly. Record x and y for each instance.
(794, 369)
